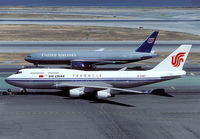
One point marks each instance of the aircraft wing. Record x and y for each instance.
(63, 86)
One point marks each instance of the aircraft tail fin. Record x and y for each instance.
(175, 61)
(148, 43)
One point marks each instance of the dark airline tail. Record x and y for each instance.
(148, 43)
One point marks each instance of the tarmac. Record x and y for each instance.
(126, 116)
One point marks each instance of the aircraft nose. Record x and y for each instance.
(28, 59)
(8, 80)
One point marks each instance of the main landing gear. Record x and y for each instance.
(23, 91)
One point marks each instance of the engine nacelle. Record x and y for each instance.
(82, 65)
(77, 92)
(103, 94)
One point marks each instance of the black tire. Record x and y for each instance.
(5, 93)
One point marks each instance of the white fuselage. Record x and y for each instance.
(51, 78)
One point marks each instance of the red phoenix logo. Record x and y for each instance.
(177, 59)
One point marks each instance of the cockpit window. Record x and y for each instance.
(29, 56)
(18, 72)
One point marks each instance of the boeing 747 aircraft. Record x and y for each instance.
(89, 59)
(103, 83)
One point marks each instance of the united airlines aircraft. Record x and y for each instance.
(89, 59)
(103, 83)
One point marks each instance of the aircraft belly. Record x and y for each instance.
(85, 83)
(67, 62)
(118, 84)
(33, 84)
(52, 84)
(40, 85)
(129, 84)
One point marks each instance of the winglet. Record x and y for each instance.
(175, 61)
(148, 43)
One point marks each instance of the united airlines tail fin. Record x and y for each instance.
(148, 43)
(175, 61)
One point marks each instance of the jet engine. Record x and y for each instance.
(77, 92)
(103, 94)
(82, 65)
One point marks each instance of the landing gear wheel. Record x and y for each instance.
(23, 91)
(10, 92)
(5, 93)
